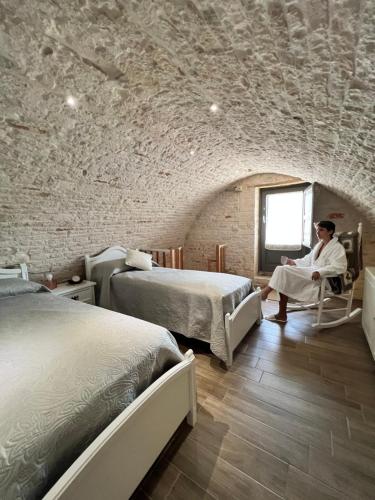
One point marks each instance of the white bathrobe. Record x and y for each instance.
(296, 282)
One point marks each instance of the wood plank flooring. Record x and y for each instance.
(294, 418)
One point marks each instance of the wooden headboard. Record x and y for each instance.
(111, 253)
(167, 257)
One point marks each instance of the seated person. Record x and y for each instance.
(300, 278)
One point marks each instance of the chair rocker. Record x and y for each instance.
(341, 286)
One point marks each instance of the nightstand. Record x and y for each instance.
(84, 291)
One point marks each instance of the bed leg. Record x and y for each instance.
(229, 363)
(191, 417)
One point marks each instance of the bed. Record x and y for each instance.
(214, 307)
(82, 388)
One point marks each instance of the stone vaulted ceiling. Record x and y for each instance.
(107, 106)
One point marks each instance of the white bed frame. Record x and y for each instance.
(18, 272)
(237, 324)
(117, 460)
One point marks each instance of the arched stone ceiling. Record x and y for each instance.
(292, 84)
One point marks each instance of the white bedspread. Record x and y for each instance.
(192, 303)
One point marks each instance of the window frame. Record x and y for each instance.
(269, 259)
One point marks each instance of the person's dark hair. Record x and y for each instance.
(329, 225)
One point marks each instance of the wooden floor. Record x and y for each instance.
(294, 418)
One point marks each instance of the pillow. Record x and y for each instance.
(10, 287)
(140, 260)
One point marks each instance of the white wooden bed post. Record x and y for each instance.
(240, 321)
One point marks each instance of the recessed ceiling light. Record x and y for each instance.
(214, 108)
(72, 102)
(192, 152)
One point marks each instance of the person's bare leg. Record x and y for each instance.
(282, 307)
(265, 292)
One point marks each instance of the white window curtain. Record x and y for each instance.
(284, 221)
(307, 216)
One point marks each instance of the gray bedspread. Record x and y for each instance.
(67, 370)
(193, 303)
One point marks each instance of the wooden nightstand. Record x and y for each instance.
(83, 291)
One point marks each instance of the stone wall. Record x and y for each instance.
(53, 229)
(232, 219)
(121, 119)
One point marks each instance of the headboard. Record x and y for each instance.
(17, 272)
(110, 253)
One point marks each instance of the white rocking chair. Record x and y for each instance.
(342, 286)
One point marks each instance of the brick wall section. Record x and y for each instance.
(54, 230)
(232, 219)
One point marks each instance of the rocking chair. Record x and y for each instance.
(341, 286)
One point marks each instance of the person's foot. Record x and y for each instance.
(277, 318)
(265, 292)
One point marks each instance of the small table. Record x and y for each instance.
(84, 291)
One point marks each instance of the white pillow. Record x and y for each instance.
(140, 260)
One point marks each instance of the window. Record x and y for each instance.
(284, 221)
(285, 224)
